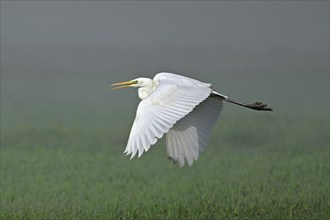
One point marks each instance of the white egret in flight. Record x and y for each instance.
(184, 109)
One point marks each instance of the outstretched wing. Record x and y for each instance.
(190, 135)
(174, 97)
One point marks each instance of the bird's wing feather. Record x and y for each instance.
(157, 113)
(189, 136)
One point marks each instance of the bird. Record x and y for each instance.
(182, 108)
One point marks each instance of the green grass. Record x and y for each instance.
(62, 154)
(257, 166)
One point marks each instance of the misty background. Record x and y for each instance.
(59, 58)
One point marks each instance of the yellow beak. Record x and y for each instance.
(123, 84)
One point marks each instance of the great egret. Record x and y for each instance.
(184, 109)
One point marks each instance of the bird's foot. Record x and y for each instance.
(259, 106)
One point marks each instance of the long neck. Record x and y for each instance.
(145, 91)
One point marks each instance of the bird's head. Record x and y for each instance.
(138, 82)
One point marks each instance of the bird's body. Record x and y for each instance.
(182, 108)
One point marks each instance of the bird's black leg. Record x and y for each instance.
(259, 106)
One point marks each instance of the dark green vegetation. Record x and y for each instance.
(62, 161)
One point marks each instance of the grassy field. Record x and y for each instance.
(257, 166)
(250, 170)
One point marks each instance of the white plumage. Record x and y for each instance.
(190, 135)
(182, 108)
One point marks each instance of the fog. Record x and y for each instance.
(231, 44)
(136, 38)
